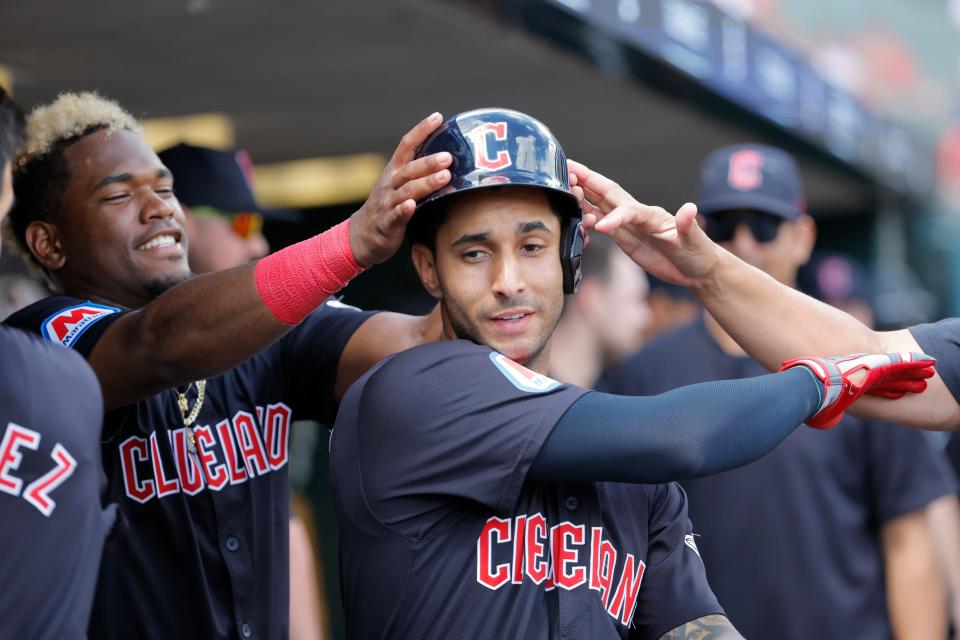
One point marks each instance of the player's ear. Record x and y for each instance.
(44, 241)
(426, 266)
(805, 237)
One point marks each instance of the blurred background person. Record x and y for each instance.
(17, 291)
(670, 306)
(826, 537)
(225, 227)
(224, 221)
(605, 321)
(843, 282)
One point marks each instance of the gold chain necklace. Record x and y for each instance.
(189, 415)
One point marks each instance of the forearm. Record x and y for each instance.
(690, 432)
(915, 596)
(714, 627)
(194, 330)
(773, 322)
(213, 322)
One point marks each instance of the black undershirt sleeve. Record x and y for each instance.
(693, 431)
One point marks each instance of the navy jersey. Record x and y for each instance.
(942, 341)
(443, 536)
(203, 550)
(791, 541)
(52, 525)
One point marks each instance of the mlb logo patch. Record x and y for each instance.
(521, 377)
(67, 325)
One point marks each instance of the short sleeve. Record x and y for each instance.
(942, 341)
(674, 590)
(906, 471)
(451, 421)
(311, 353)
(74, 323)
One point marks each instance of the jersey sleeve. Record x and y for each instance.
(74, 323)
(452, 422)
(674, 590)
(311, 353)
(906, 472)
(942, 341)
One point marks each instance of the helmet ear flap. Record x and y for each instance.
(571, 254)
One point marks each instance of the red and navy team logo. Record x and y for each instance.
(488, 154)
(527, 549)
(65, 326)
(745, 172)
(231, 451)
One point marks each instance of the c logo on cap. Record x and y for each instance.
(746, 170)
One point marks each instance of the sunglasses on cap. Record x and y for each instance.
(245, 224)
(721, 227)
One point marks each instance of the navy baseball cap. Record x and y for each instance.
(209, 178)
(754, 177)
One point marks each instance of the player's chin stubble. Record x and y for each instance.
(464, 329)
(159, 286)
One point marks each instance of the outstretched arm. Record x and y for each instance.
(216, 321)
(706, 428)
(771, 321)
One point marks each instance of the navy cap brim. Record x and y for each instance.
(750, 201)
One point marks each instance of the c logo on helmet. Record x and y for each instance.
(479, 136)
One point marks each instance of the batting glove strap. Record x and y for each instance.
(887, 375)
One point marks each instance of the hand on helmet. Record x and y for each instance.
(377, 228)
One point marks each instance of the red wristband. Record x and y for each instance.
(296, 280)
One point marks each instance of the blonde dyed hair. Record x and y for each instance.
(39, 176)
(71, 115)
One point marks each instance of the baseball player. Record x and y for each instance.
(478, 497)
(51, 478)
(769, 320)
(201, 381)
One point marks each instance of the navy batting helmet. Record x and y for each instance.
(498, 147)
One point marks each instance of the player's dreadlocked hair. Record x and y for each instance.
(40, 173)
(11, 129)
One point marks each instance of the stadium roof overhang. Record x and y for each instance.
(302, 78)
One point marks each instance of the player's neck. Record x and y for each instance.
(575, 357)
(101, 296)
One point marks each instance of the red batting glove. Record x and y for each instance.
(888, 375)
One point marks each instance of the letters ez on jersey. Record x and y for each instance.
(37, 493)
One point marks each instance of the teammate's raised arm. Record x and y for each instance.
(87, 170)
(771, 321)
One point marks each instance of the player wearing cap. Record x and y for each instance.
(201, 377)
(51, 480)
(222, 218)
(861, 561)
(480, 498)
(769, 320)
